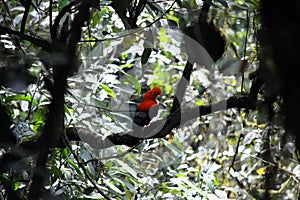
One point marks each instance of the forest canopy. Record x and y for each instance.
(218, 84)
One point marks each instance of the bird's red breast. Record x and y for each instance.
(147, 109)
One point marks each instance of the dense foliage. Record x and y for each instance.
(71, 73)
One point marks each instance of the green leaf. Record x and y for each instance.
(199, 102)
(39, 118)
(56, 172)
(74, 165)
(109, 91)
(16, 185)
(68, 110)
(163, 36)
(128, 194)
(21, 98)
(112, 187)
(97, 16)
(62, 4)
(145, 56)
(134, 82)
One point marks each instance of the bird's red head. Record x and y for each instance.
(152, 94)
(149, 98)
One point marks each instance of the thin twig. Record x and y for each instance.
(8, 12)
(236, 151)
(159, 18)
(134, 31)
(50, 16)
(81, 165)
(245, 48)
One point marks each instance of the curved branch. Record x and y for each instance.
(160, 128)
(27, 4)
(157, 129)
(60, 15)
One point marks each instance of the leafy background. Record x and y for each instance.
(223, 155)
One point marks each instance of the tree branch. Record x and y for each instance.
(180, 91)
(157, 129)
(160, 128)
(47, 46)
(64, 10)
(27, 4)
(136, 12)
(54, 126)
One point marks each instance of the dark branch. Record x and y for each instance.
(178, 98)
(25, 15)
(137, 11)
(64, 10)
(47, 46)
(156, 129)
(54, 126)
(160, 128)
(181, 87)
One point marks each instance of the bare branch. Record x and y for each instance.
(47, 46)
(25, 15)
(54, 126)
(160, 128)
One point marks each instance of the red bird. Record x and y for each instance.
(148, 108)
